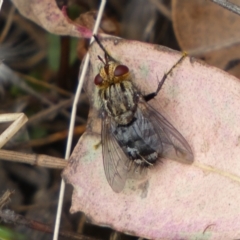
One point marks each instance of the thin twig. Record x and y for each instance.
(8, 24)
(5, 198)
(11, 217)
(17, 119)
(15, 79)
(1, 2)
(33, 159)
(45, 84)
(55, 137)
(74, 109)
(46, 113)
(162, 9)
(228, 5)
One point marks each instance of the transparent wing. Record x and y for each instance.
(174, 145)
(118, 167)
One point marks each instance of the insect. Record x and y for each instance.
(134, 135)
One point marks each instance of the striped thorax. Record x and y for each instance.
(119, 97)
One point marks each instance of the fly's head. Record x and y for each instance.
(111, 73)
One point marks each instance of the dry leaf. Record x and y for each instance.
(207, 30)
(46, 14)
(178, 201)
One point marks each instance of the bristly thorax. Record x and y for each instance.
(120, 101)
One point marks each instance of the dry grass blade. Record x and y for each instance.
(8, 24)
(5, 198)
(19, 120)
(55, 137)
(45, 84)
(33, 159)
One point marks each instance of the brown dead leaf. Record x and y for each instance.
(46, 14)
(107, 25)
(207, 30)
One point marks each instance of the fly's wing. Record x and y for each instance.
(118, 167)
(174, 145)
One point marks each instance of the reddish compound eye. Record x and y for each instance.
(120, 70)
(98, 80)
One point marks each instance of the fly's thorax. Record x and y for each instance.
(120, 101)
(117, 94)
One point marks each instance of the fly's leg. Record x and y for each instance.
(150, 96)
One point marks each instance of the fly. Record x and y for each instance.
(134, 135)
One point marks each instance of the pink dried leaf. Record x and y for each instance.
(178, 201)
(46, 14)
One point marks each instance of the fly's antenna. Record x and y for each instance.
(107, 55)
(106, 65)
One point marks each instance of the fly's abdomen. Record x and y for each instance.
(120, 101)
(139, 140)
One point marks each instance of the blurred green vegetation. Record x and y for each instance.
(9, 234)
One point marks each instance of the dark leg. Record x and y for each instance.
(150, 96)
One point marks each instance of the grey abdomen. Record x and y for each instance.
(139, 140)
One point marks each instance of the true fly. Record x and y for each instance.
(134, 135)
